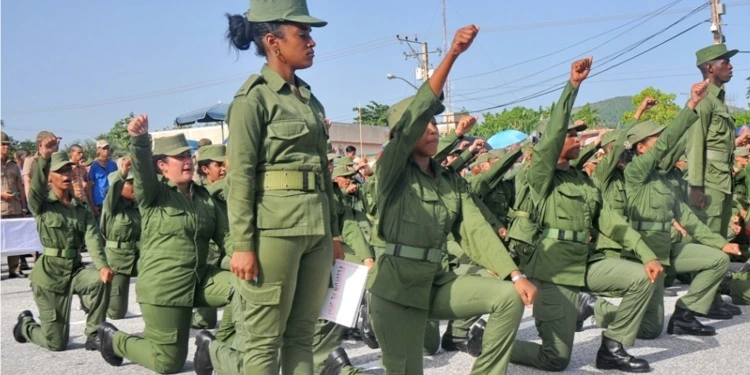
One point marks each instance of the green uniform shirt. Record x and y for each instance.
(610, 179)
(272, 130)
(60, 227)
(352, 220)
(120, 222)
(566, 199)
(494, 191)
(712, 131)
(651, 197)
(175, 234)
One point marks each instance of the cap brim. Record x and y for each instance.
(215, 158)
(651, 133)
(580, 127)
(178, 151)
(61, 166)
(307, 20)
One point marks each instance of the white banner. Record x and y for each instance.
(343, 299)
(19, 237)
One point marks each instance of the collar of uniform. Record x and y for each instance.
(277, 83)
(434, 165)
(716, 91)
(52, 198)
(172, 185)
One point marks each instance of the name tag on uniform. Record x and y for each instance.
(344, 295)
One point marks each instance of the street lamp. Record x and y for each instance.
(391, 76)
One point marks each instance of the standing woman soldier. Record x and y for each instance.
(280, 196)
(65, 225)
(418, 204)
(179, 219)
(121, 229)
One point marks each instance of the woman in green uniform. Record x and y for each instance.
(179, 219)
(121, 229)
(65, 225)
(280, 196)
(418, 203)
(652, 206)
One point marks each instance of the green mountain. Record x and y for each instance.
(612, 109)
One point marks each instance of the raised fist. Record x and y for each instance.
(463, 39)
(579, 70)
(138, 126)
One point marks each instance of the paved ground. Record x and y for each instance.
(724, 353)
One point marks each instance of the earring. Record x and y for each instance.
(277, 53)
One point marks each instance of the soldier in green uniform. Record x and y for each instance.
(280, 201)
(212, 172)
(565, 207)
(65, 225)
(121, 229)
(652, 205)
(418, 203)
(711, 143)
(179, 219)
(736, 232)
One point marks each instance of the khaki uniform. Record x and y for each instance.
(58, 273)
(11, 180)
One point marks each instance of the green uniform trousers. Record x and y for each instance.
(206, 317)
(739, 288)
(709, 267)
(164, 345)
(555, 312)
(53, 329)
(400, 329)
(280, 310)
(119, 292)
(717, 212)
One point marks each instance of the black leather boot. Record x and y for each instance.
(724, 286)
(612, 356)
(18, 328)
(683, 322)
(202, 360)
(106, 334)
(93, 343)
(365, 328)
(717, 312)
(336, 361)
(476, 336)
(733, 309)
(586, 302)
(449, 343)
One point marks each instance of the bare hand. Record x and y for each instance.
(503, 233)
(463, 145)
(697, 198)
(7, 196)
(653, 270)
(477, 145)
(138, 126)
(106, 274)
(732, 249)
(47, 147)
(338, 251)
(244, 265)
(351, 189)
(465, 124)
(369, 263)
(328, 123)
(736, 228)
(579, 70)
(648, 103)
(463, 39)
(697, 93)
(679, 228)
(526, 290)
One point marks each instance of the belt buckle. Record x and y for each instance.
(305, 181)
(397, 250)
(426, 255)
(560, 235)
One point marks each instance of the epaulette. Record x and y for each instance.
(251, 82)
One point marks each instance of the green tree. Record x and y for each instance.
(518, 118)
(118, 137)
(590, 116)
(662, 114)
(741, 118)
(88, 145)
(373, 114)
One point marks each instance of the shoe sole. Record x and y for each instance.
(679, 332)
(608, 366)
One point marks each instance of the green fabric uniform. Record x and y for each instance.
(610, 180)
(173, 276)
(447, 145)
(280, 206)
(710, 159)
(492, 188)
(739, 288)
(652, 206)
(408, 285)
(586, 153)
(121, 228)
(566, 206)
(58, 272)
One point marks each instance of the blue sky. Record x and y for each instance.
(75, 67)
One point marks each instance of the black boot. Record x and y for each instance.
(612, 356)
(683, 322)
(202, 360)
(586, 303)
(670, 293)
(717, 312)
(365, 328)
(18, 328)
(449, 343)
(336, 361)
(733, 309)
(93, 343)
(106, 334)
(476, 336)
(724, 286)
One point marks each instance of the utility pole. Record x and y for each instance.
(422, 55)
(717, 10)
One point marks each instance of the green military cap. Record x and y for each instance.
(482, 158)
(59, 160)
(347, 161)
(116, 177)
(332, 155)
(610, 137)
(497, 153)
(713, 52)
(5, 139)
(282, 11)
(204, 142)
(172, 145)
(342, 171)
(641, 131)
(397, 110)
(577, 125)
(741, 152)
(212, 152)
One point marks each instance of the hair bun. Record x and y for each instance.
(240, 33)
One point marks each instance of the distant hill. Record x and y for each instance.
(612, 109)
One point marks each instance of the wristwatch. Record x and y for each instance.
(517, 277)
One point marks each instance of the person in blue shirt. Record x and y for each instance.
(98, 173)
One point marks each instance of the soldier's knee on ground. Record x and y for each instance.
(554, 363)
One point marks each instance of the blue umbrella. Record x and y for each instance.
(506, 138)
(214, 113)
(194, 145)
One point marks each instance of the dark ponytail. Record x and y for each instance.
(242, 33)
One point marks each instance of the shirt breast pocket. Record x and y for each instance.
(570, 208)
(173, 221)
(53, 224)
(288, 130)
